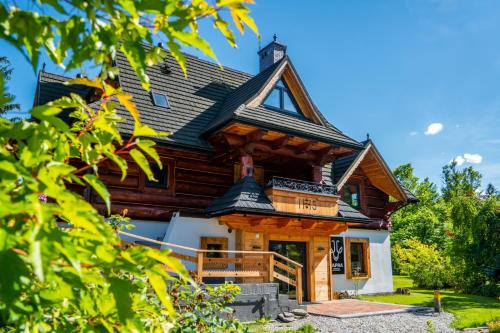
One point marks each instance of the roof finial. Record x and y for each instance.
(43, 67)
(367, 136)
(275, 37)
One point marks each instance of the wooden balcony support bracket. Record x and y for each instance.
(309, 224)
(280, 142)
(255, 135)
(303, 147)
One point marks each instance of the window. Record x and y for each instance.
(160, 99)
(351, 195)
(161, 175)
(214, 244)
(280, 98)
(358, 258)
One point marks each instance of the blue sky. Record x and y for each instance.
(388, 68)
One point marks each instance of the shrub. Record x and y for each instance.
(425, 264)
(204, 309)
(494, 326)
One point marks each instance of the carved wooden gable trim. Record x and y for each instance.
(288, 74)
(377, 171)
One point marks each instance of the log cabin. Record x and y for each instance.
(255, 180)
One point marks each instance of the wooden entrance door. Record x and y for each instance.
(296, 251)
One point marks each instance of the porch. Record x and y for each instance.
(234, 265)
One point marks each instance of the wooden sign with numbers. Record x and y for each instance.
(303, 203)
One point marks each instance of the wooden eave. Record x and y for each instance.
(250, 139)
(288, 225)
(377, 171)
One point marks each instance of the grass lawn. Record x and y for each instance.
(469, 310)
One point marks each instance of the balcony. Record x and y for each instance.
(302, 197)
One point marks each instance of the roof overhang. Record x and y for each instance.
(378, 172)
(286, 223)
(237, 137)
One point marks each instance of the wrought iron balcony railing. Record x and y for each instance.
(301, 186)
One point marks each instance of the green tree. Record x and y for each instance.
(456, 183)
(68, 270)
(6, 72)
(426, 220)
(404, 173)
(491, 191)
(425, 264)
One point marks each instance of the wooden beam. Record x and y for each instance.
(283, 223)
(309, 224)
(255, 135)
(280, 142)
(303, 147)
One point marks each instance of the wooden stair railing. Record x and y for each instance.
(248, 264)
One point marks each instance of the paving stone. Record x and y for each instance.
(284, 319)
(299, 312)
(400, 323)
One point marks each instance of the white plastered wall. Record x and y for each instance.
(187, 231)
(380, 261)
(151, 229)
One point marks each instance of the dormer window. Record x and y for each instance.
(280, 99)
(160, 99)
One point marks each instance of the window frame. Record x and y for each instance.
(155, 92)
(283, 89)
(223, 242)
(159, 185)
(169, 167)
(366, 258)
(358, 192)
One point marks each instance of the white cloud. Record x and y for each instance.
(473, 158)
(469, 158)
(413, 133)
(434, 129)
(459, 160)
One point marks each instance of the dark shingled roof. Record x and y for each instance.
(51, 87)
(194, 102)
(411, 197)
(341, 165)
(207, 99)
(345, 210)
(235, 109)
(246, 195)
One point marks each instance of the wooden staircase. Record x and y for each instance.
(267, 265)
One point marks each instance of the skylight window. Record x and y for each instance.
(279, 98)
(160, 99)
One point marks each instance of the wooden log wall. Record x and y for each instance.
(194, 181)
(373, 201)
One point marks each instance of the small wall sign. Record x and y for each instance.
(307, 204)
(337, 252)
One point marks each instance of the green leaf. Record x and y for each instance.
(145, 130)
(147, 146)
(160, 287)
(143, 163)
(99, 187)
(119, 161)
(44, 111)
(125, 100)
(96, 83)
(121, 290)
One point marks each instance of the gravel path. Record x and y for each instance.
(401, 322)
